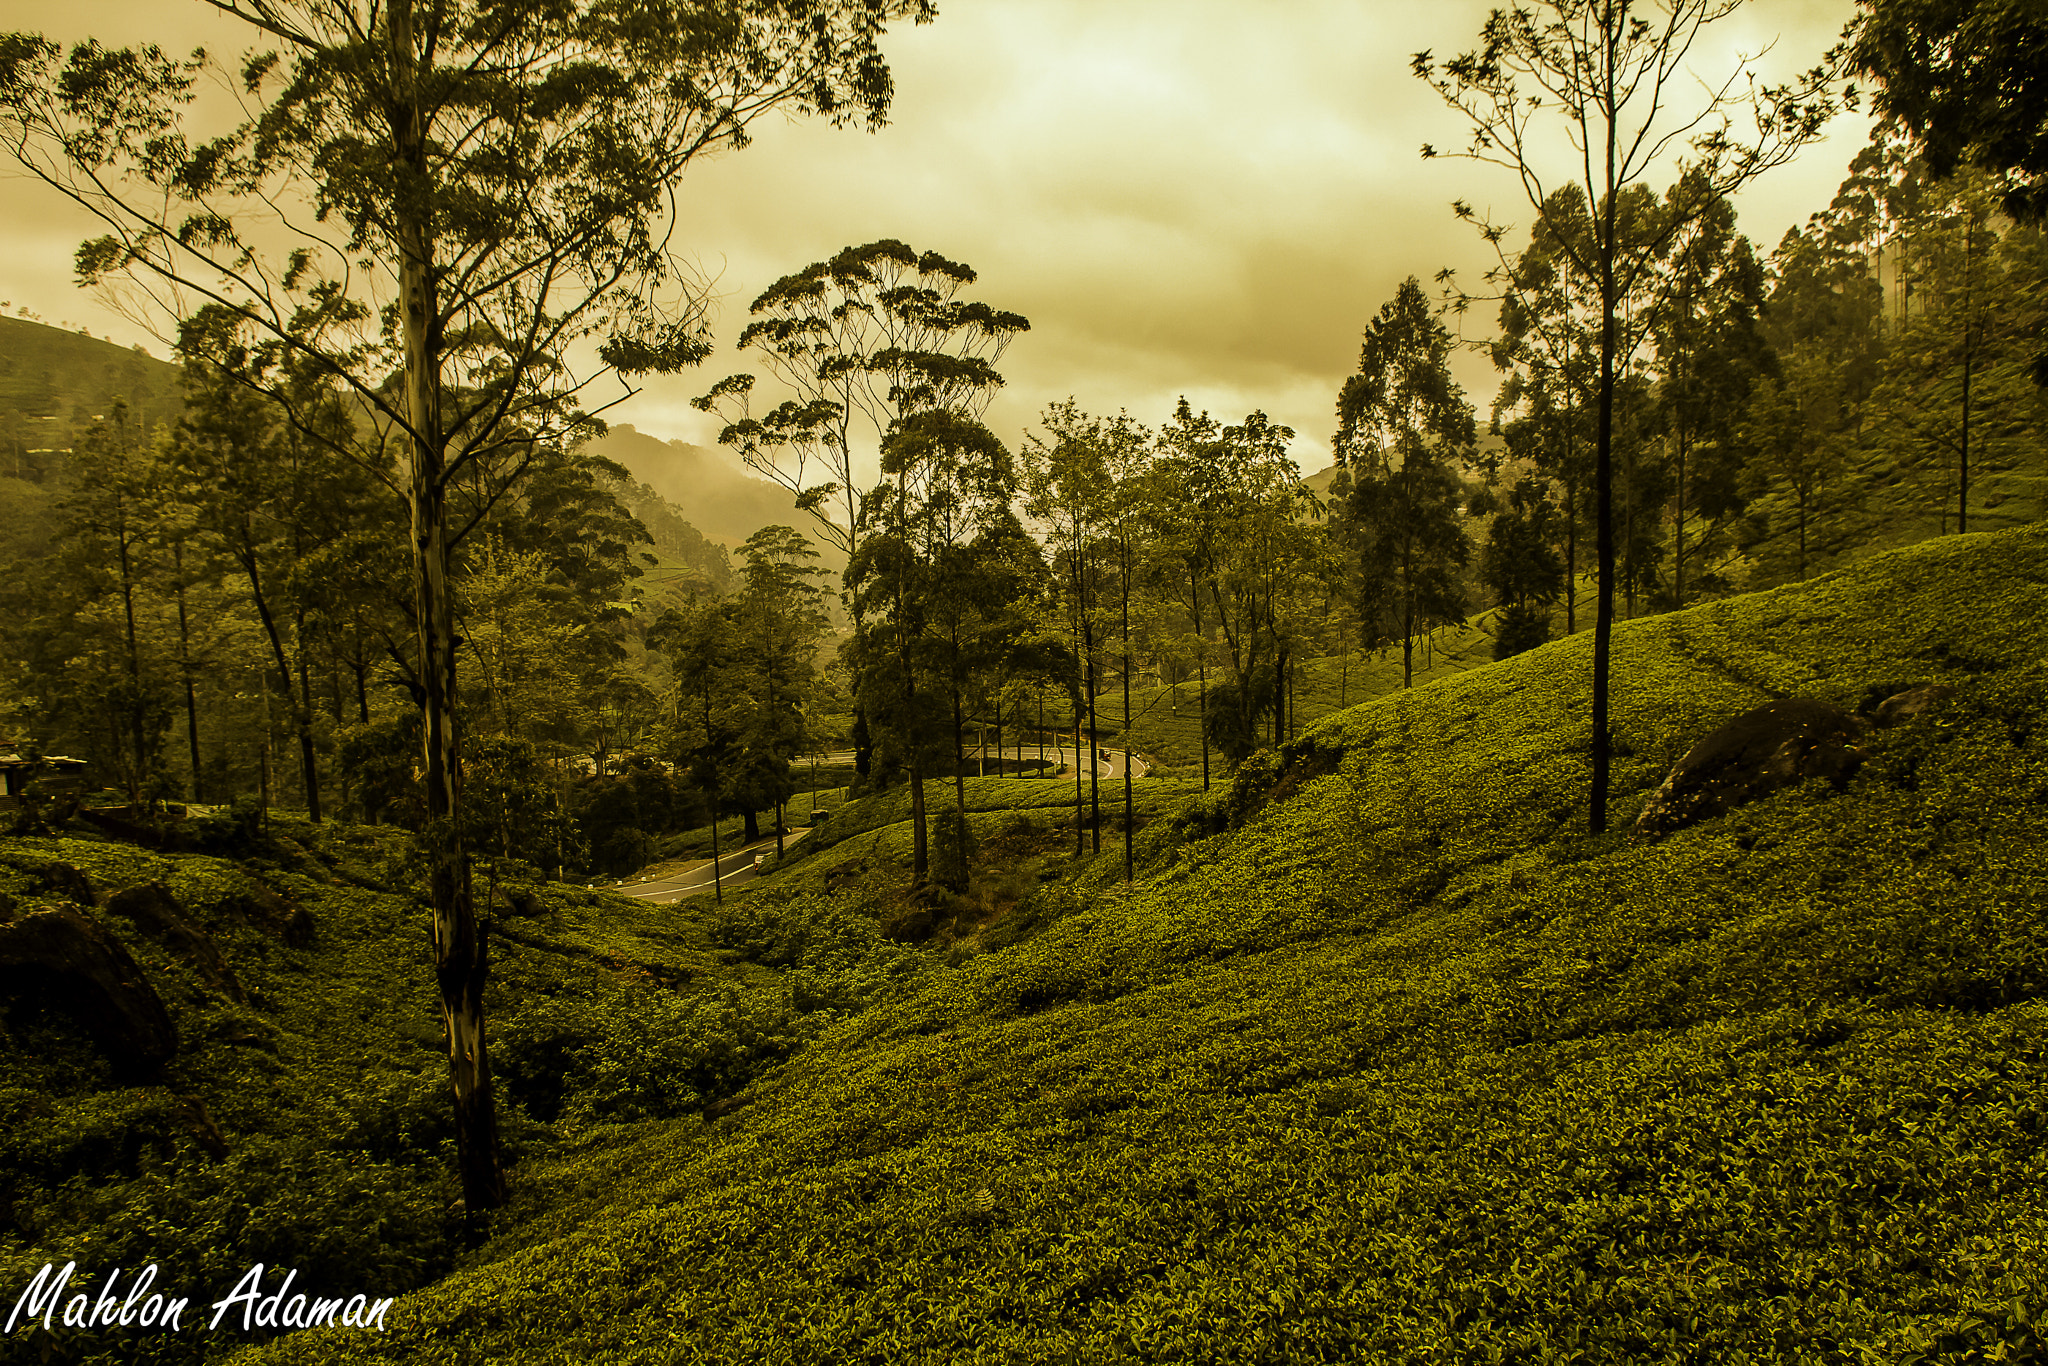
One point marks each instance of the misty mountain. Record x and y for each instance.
(710, 488)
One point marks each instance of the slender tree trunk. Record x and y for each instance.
(1086, 636)
(302, 721)
(1407, 642)
(303, 718)
(1124, 598)
(185, 669)
(1963, 458)
(1678, 548)
(141, 764)
(359, 665)
(263, 754)
(1094, 778)
(1603, 482)
(1571, 556)
(1571, 483)
(1201, 674)
(959, 726)
(461, 957)
(920, 843)
(1080, 836)
(717, 870)
(1293, 699)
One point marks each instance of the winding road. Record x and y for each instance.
(736, 866)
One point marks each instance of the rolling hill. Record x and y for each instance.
(1383, 1057)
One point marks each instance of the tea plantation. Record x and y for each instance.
(1381, 1058)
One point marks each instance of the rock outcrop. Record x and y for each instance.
(69, 961)
(1773, 746)
(283, 920)
(151, 908)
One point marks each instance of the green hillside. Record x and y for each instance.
(1408, 1068)
(51, 379)
(1166, 722)
(1382, 1058)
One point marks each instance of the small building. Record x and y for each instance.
(17, 770)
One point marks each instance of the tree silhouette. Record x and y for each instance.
(488, 187)
(1607, 74)
(1402, 419)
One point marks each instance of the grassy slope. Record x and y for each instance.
(1410, 1068)
(1406, 1067)
(329, 1085)
(1164, 721)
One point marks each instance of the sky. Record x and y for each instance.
(1199, 197)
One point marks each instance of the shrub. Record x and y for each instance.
(1521, 628)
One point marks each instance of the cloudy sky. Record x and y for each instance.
(1200, 197)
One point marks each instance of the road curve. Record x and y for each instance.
(736, 866)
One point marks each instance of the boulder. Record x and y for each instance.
(69, 883)
(283, 920)
(1773, 746)
(68, 960)
(151, 908)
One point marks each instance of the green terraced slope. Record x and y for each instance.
(1383, 1059)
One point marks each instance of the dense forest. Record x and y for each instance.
(1328, 1006)
(206, 604)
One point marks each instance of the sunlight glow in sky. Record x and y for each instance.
(1197, 197)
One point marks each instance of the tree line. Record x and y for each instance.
(376, 482)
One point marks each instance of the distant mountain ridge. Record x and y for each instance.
(708, 487)
(52, 380)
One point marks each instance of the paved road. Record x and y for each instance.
(691, 879)
(737, 865)
(1109, 766)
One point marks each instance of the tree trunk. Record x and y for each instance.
(717, 869)
(1087, 634)
(461, 957)
(302, 723)
(303, 718)
(1124, 597)
(1201, 674)
(141, 764)
(1963, 453)
(1571, 554)
(185, 668)
(1094, 778)
(959, 726)
(1603, 488)
(1080, 836)
(1678, 543)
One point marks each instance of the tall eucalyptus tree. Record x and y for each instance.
(861, 342)
(470, 189)
(1403, 421)
(1608, 74)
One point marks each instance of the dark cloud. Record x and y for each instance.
(1184, 196)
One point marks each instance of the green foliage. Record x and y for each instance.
(952, 848)
(1927, 56)
(1521, 628)
(1408, 1068)
(634, 1054)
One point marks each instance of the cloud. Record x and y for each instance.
(1184, 196)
